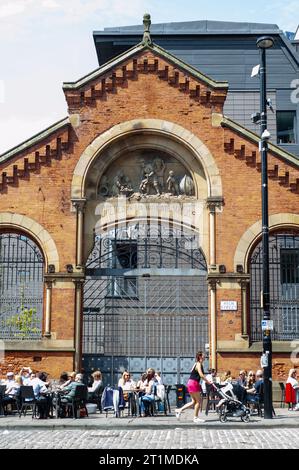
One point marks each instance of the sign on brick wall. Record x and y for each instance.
(229, 305)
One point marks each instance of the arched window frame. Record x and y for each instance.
(22, 308)
(284, 295)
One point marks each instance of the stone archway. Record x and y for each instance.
(155, 127)
(249, 238)
(22, 223)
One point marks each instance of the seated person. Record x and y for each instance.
(149, 396)
(250, 380)
(10, 379)
(71, 388)
(254, 393)
(12, 390)
(226, 377)
(25, 374)
(292, 379)
(126, 383)
(64, 380)
(141, 384)
(211, 377)
(96, 385)
(158, 378)
(242, 380)
(71, 391)
(40, 390)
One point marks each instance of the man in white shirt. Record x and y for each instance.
(10, 379)
(39, 387)
(40, 390)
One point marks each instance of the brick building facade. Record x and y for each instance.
(148, 100)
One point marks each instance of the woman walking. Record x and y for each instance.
(194, 388)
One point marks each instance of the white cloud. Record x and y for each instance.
(2, 91)
(51, 4)
(12, 8)
(29, 16)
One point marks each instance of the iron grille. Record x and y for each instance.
(284, 287)
(145, 298)
(21, 287)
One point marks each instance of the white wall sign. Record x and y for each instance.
(267, 325)
(229, 305)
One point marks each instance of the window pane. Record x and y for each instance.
(289, 266)
(286, 125)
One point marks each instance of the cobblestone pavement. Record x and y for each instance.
(151, 439)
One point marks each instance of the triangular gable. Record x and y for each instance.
(142, 58)
(155, 49)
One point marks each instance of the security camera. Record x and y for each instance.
(266, 135)
(269, 103)
(256, 118)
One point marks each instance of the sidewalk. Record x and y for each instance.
(283, 419)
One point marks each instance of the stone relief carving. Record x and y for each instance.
(172, 184)
(187, 186)
(146, 176)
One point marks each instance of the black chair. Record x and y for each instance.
(27, 400)
(283, 392)
(78, 401)
(96, 397)
(2, 395)
(212, 398)
(167, 392)
(130, 400)
(160, 401)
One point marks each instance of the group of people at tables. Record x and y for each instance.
(251, 383)
(143, 390)
(46, 392)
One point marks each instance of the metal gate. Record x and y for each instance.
(145, 304)
(21, 287)
(284, 287)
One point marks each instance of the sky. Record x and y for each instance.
(46, 42)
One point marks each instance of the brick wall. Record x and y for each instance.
(44, 193)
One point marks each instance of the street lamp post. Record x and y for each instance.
(264, 43)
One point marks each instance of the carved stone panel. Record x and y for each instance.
(146, 174)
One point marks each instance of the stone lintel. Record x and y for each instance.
(40, 345)
(283, 347)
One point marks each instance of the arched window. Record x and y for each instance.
(284, 286)
(21, 287)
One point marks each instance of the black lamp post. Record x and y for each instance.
(264, 43)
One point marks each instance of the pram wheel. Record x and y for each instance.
(245, 418)
(223, 418)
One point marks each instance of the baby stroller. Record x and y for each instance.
(231, 404)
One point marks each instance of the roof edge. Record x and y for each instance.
(192, 70)
(34, 140)
(289, 157)
(104, 68)
(138, 48)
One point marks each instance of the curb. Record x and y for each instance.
(128, 427)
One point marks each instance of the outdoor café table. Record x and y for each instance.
(56, 400)
(134, 402)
